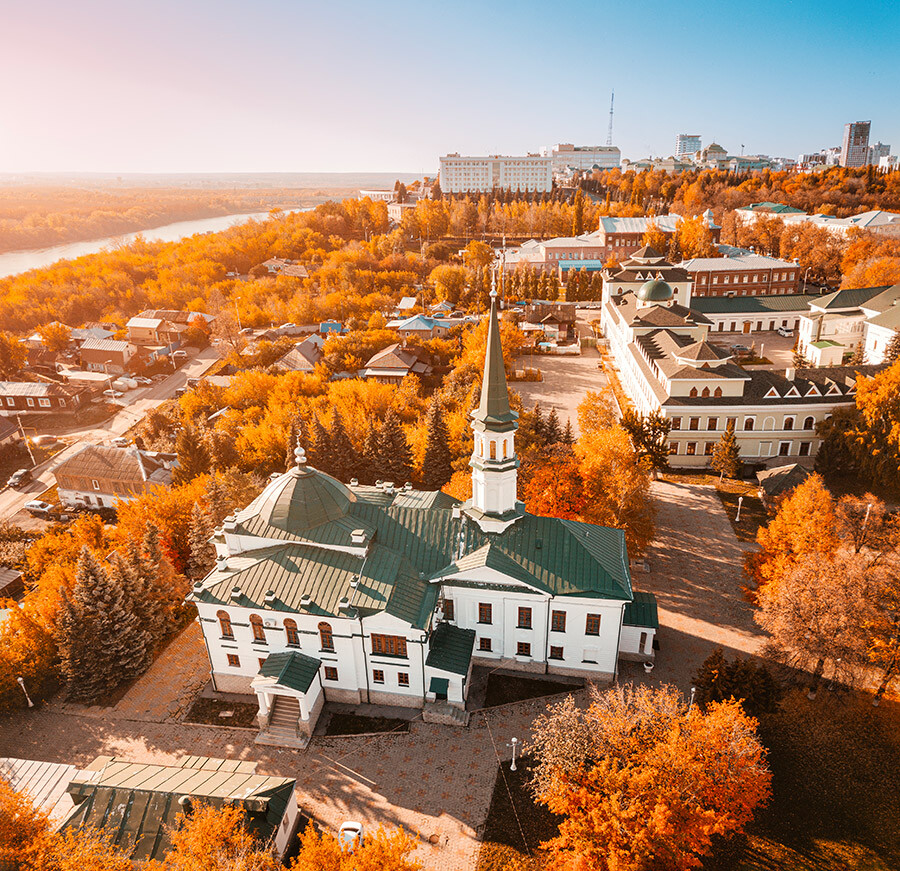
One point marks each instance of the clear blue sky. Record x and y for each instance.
(291, 85)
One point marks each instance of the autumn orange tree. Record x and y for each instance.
(804, 525)
(643, 781)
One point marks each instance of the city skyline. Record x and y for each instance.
(281, 87)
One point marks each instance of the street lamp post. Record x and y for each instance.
(513, 743)
(740, 503)
(108, 378)
(21, 682)
(237, 311)
(25, 440)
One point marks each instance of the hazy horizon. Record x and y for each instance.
(229, 87)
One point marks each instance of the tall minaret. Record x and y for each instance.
(494, 463)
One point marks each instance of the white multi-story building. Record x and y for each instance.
(583, 158)
(323, 591)
(668, 365)
(687, 144)
(530, 172)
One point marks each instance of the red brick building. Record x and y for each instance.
(742, 275)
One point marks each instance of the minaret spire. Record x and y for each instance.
(494, 463)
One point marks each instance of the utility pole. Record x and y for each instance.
(609, 131)
(25, 440)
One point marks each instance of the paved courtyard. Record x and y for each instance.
(434, 780)
(566, 380)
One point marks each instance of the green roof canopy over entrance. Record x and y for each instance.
(293, 670)
(450, 648)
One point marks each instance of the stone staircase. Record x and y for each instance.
(281, 730)
(445, 714)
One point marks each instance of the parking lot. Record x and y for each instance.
(767, 343)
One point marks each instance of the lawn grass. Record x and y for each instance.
(516, 825)
(504, 688)
(836, 795)
(355, 724)
(835, 803)
(207, 711)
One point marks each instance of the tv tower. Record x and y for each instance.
(609, 132)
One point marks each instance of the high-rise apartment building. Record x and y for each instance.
(687, 144)
(855, 148)
(461, 174)
(877, 151)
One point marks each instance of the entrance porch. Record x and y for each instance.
(290, 695)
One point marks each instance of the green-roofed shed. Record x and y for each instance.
(451, 648)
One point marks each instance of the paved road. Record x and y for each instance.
(12, 501)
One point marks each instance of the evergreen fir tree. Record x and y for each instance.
(140, 597)
(568, 436)
(394, 454)
(553, 429)
(368, 459)
(141, 609)
(320, 454)
(100, 636)
(892, 352)
(726, 457)
(436, 466)
(217, 500)
(203, 554)
(193, 455)
(345, 463)
(539, 426)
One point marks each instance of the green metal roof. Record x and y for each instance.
(291, 669)
(850, 298)
(137, 805)
(719, 305)
(493, 411)
(386, 582)
(774, 208)
(822, 344)
(303, 499)
(450, 648)
(641, 611)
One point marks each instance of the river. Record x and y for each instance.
(21, 261)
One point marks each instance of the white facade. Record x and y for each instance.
(687, 144)
(583, 158)
(463, 174)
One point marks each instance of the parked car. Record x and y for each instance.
(112, 394)
(787, 332)
(193, 382)
(350, 836)
(247, 331)
(19, 477)
(179, 355)
(38, 508)
(45, 440)
(180, 392)
(144, 382)
(121, 442)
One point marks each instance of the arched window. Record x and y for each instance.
(225, 624)
(809, 423)
(493, 450)
(749, 423)
(789, 423)
(505, 448)
(769, 423)
(259, 634)
(693, 391)
(325, 636)
(705, 392)
(293, 636)
(717, 392)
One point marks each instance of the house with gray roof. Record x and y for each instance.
(325, 590)
(101, 476)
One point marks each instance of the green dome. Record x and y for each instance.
(302, 499)
(655, 290)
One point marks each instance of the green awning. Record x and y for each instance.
(439, 686)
